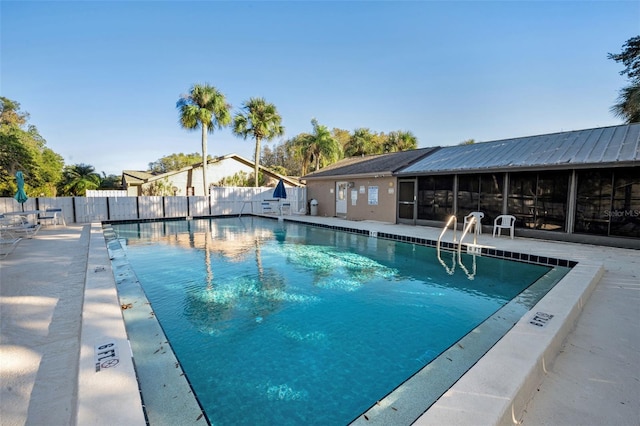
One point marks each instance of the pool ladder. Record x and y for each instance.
(451, 269)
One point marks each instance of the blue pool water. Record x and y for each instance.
(283, 323)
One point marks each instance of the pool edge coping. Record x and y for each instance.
(110, 395)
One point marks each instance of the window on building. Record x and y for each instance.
(593, 201)
(539, 200)
(491, 196)
(551, 201)
(521, 200)
(625, 212)
(435, 197)
(468, 195)
(480, 193)
(608, 202)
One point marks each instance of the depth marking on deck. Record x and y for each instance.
(106, 355)
(540, 319)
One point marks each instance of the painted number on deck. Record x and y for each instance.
(106, 355)
(540, 319)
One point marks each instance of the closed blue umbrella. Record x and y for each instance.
(20, 196)
(280, 192)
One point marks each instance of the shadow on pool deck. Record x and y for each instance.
(48, 350)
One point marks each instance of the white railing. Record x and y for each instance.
(222, 201)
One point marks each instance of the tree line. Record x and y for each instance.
(22, 148)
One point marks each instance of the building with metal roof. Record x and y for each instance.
(581, 185)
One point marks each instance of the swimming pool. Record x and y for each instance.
(286, 323)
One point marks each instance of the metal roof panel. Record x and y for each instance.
(581, 147)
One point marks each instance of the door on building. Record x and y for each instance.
(341, 198)
(407, 201)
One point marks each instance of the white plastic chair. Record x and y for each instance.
(504, 221)
(478, 225)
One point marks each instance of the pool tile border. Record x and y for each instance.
(485, 251)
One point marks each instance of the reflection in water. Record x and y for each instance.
(260, 291)
(207, 259)
(450, 269)
(336, 269)
(472, 274)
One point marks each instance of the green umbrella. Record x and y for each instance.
(20, 196)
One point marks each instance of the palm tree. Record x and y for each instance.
(323, 145)
(78, 178)
(261, 120)
(205, 107)
(400, 141)
(298, 149)
(628, 106)
(360, 143)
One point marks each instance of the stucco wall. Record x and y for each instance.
(384, 210)
(323, 191)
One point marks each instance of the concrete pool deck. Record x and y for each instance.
(58, 307)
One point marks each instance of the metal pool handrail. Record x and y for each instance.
(451, 269)
(465, 231)
(455, 227)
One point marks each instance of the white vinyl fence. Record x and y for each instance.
(223, 201)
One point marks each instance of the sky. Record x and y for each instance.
(100, 79)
